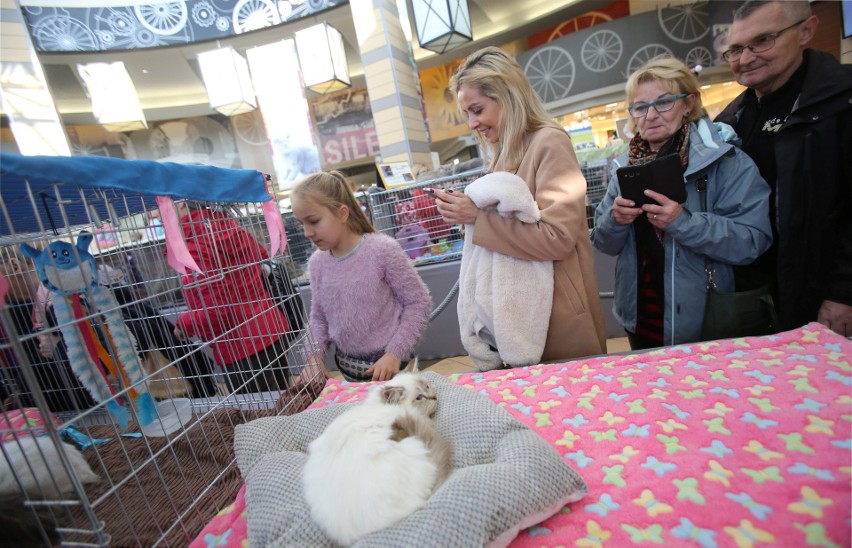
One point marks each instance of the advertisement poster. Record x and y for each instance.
(285, 111)
(582, 138)
(344, 123)
(193, 140)
(445, 122)
(396, 174)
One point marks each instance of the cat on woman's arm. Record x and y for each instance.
(378, 462)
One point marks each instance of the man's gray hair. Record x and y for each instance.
(794, 10)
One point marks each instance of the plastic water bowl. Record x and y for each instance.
(173, 414)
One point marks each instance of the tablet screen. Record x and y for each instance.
(663, 175)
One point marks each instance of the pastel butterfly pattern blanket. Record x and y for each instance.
(741, 442)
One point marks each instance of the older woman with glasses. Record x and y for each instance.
(663, 246)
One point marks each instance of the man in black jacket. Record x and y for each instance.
(795, 121)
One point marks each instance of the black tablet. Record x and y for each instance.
(663, 175)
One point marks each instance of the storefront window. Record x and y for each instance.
(597, 127)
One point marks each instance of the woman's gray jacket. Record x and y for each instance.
(735, 231)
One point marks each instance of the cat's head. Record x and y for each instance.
(407, 388)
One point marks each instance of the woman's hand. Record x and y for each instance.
(624, 211)
(385, 369)
(179, 334)
(456, 208)
(661, 215)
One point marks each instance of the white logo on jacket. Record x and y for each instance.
(773, 125)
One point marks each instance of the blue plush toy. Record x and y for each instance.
(70, 271)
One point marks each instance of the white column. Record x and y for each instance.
(391, 82)
(24, 92)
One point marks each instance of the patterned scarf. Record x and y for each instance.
(650, 292)
(640, 150)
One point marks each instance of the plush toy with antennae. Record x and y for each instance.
(70, 272)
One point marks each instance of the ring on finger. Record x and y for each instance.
(655, 216)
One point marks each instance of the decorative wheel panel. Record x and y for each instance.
(601, 51)
(58, 33)
(551, 72)
(685, 23)
(166, 18)
(699, 56)
(645, 54)
(254, 14)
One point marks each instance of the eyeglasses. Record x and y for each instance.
(663, 104)
(758, 45)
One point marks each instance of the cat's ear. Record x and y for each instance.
(413, 366)
(392, 394)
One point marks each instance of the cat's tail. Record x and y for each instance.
(440, 452)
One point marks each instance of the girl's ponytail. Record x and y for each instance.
(331, 190)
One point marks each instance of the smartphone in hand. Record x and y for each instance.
(431, 192)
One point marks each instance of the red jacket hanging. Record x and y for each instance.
(229, 304)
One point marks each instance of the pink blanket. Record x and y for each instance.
(729, 443)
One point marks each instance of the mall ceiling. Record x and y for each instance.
(168, 79)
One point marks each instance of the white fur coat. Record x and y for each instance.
(503, 301)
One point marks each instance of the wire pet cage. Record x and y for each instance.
(120, 395)
(409, 215)
(596, 174)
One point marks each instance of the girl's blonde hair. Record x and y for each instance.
(497, 76)
(331, 190)
(674, 75)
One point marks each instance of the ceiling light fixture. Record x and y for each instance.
(115, 104)
(322, 58)
(226, 77)
(442, 24)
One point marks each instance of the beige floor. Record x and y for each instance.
(463, 364)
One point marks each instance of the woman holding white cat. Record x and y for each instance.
(366, 296)
(510, 122)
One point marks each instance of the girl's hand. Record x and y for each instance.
(624, 211)
(456, 208)
(661, 215)
(314, 366)
(318, 364)
(385, 369)
(179, 334)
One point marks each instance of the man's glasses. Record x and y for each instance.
(758, 45)
(663, 104)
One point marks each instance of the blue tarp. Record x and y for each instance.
(128, 186)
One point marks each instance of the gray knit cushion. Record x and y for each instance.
(504, 477)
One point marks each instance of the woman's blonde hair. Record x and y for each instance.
(674, 75)
(497, 76)
(331, 190)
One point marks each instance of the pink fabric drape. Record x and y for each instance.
(277, 236)
(176, 250)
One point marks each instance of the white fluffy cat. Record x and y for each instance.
(36, 462)
(378, 462)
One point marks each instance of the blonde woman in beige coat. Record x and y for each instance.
(510, 122)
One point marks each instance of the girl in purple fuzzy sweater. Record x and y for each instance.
(366, 296)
